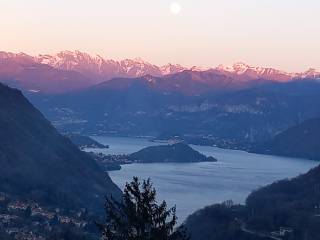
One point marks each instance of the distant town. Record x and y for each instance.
(28, 220)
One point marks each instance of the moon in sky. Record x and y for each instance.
(175, 8)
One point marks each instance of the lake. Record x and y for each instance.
(191, 186)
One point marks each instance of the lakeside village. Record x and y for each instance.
(111, 162)
(27, 220)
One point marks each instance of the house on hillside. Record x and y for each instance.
(283, 232)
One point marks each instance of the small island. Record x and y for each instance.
(178, 152)
(173, 153)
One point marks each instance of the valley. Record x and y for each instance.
(159, 120)
(190, 131)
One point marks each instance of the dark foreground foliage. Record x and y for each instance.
(139, 217)
(293, 204)
(220, 222)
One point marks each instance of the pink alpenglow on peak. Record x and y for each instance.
(76, 70)
(171, 69)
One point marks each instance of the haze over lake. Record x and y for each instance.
(191, 186)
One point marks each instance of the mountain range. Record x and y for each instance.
(230, 106)
(75, 70)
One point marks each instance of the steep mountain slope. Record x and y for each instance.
(39, 164)
(301, 141)
(290, 204)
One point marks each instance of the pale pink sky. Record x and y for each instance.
(277, 33)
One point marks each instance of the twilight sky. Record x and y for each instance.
(277, 33)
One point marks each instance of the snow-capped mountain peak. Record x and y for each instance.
(250, 72)
(199, 69)
(95, 68)
(241, 68)
(310, 73)
(238, 68)
(171, 69)
(106, 68)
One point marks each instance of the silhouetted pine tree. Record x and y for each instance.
(139, 217)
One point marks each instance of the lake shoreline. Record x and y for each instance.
(234, 176)
(152, 139)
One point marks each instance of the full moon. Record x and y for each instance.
(175, 8)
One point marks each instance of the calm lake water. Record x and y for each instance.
(191, 186)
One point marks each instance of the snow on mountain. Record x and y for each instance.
(21, 58)
(66, 68)
(171, 69)
(103, 69)
(90, 66)
(242, 70)
(310, 73)
(199, 69)
(27, 73)
(69, 60)
(237, 68)
(138, 67)
(268, 73)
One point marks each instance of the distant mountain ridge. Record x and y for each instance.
(146, 107)
(84, 62)
(24, 72)
(74, 70)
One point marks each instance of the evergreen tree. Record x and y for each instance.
(139, 217)
(28, 212)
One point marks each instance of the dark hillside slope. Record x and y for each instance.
(38, 163)
(288, 203)
(291, 204)
(301, 141)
